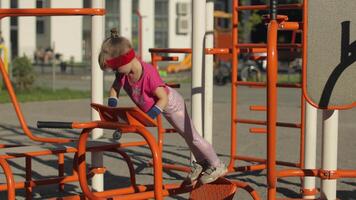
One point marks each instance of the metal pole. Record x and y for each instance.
(273, 9)
(53, 75)
(138, 13)
(329, 151)
(97, 88)
(126, 19)
(197, 61)
(209, 63)
(310, 147)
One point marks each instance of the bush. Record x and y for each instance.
(23, 73)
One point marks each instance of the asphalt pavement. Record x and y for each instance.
(175, 149)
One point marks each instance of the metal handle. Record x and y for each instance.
(46, 124)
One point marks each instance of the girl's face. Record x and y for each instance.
(125, 69)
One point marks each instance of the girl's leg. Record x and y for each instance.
(177, 115)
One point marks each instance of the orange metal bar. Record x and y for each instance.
(279, 46)
(258, 130)
(234, 73)
(258, 108)
(18, 111)
(14, 12)
(272, 61)
(247, 188)
(10, 182)
(61, 170)
(110, 125)
(323, 174)
(160, 133)
(250, 168)
(290, 26)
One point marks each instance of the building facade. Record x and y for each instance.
(148, 23)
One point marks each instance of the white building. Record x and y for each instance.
(165, 24)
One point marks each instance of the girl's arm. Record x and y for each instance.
(114, 94)
(162, 102)
(162, 96)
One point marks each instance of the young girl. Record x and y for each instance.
(143, 84)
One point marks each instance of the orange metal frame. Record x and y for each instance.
(272, 173)
(247, 48)
(135, 119)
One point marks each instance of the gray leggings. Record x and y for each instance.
(177, 115)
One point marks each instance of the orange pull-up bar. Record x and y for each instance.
(10, 89)
(18, 12)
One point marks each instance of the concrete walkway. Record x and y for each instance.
(175, 150)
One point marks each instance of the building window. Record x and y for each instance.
(161, 23)
(39, 4)
(40, 27)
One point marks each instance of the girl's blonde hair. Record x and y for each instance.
(113, 46)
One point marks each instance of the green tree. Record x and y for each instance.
(23, 73)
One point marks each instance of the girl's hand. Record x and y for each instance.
(154, 112)
(113, 101)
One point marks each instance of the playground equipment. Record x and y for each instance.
(58, 148)
(249, 48)
(321, 46)
(182, 66)
(133, 120)
(238, 48)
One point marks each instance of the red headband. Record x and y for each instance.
(121, 60)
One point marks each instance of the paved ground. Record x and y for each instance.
(175, 150)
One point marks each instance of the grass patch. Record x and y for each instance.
(45, 94)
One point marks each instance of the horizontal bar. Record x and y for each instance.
(250, 168)
(258, 130)
(334, 174)
(266, 7)
(242, 48)
(47, 124)
(264, 45)
(50, 12)
(189, 50)
(261, 84)
(166, 58)
(292, 26)
(262, 122)
(258, 108)
(170, 130)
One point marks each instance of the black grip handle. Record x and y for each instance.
(44, 124)
(273, 9)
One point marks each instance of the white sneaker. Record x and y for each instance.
(213, 173)
(196, 170)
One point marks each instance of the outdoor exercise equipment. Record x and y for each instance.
(58, 147)
(239, 48)
(326, 61)
(133, 120)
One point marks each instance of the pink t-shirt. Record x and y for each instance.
(142, 91)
